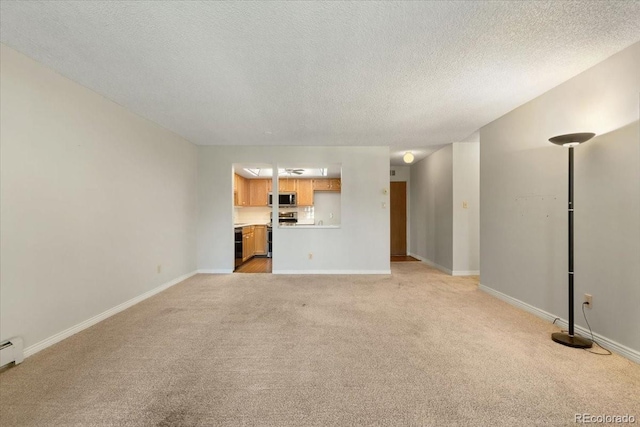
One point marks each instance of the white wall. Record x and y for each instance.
(402, 173)
(523, 182)
(93, 198)
(361, 244)
(432, 209)
(466, 221)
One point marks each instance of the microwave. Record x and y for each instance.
(284, 199)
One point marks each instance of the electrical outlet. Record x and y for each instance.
(159, 268)
(310, 255)
(331, 215)
(588, 298)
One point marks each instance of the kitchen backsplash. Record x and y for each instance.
(251, 215)
(306, 215)
(327, 208)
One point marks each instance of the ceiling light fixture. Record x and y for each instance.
(408, 157)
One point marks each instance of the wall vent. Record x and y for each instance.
(11, 351)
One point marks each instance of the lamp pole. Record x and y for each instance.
(570, 339)
(570, 213)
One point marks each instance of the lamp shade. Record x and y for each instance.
(408, 157)
(572, 139)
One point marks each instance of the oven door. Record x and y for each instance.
(238, 246)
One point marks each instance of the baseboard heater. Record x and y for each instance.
(11, 351)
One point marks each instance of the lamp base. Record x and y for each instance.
(571, 341)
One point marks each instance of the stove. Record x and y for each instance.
(287, 218)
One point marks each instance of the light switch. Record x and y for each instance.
(464, 205)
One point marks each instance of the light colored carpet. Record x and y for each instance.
(414, 348)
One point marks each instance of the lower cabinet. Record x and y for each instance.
(254, 241)
(260, 237)
(248, 242)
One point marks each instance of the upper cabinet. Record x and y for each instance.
(305, 192)
(240, 191)
(327, 184)
(255, 192)
(287, 184)
(250, 192)
(259, 192)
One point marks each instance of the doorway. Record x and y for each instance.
(252, 184)
(398, 202)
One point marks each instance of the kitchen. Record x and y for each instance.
(307, 197)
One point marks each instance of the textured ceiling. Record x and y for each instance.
(411, 75)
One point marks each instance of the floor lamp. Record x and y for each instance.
(570, 141)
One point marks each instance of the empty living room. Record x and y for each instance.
(319, 213)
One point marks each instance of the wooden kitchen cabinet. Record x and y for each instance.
(240, 191)
(235, 189)
(260, 239)
(245, 191)
(248, 242)
(305, 192)
(320, 185)
(259, 192)
(327, 184)
(252, 244)
(287, 184)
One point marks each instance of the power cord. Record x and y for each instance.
(608, 353)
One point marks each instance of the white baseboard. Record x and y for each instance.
(614, 346)
(466, 273)
(331, 272)
(216, 271)
(432, 264)
(33, 349)
(229, 271)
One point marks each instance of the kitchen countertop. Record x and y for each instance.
(248, 224)
(309, 226)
